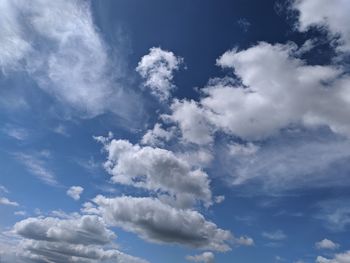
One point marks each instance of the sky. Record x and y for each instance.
(174, 131)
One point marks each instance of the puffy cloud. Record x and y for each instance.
(205, 257)
(326, 244)
(157, 136)
(157, 170)
(159, 222)
(338, 258)
(80, 239)
(277, 235)
(75, 192)
(158, 68)
(324, 14)
(59, 46)
(192, 120)
(5, 201)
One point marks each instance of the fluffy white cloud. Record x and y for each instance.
(287, 92)
(80, 239)
(338, 258)
(75, 192)
(5, 201)
(326, 244)
(192, 120)
(205, 257)
(156, 169)
(59, 46)
(158, 68)
(157, 136)
(330, 15)
(156, 221)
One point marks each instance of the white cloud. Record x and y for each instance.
(157, 136)
(161, 223)
(286, 93)
(277, 235)
(15, 132)
(5, 201)
(335, 214)
(324, 14)
(4, 189)
(158, 170)
(338, 258)
(158, 68)
(75, 192)
(326, 244)
(192, 120)
(37, 167)
(205, 257)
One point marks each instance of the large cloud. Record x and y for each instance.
(58, 45)
(157, 170)
(79, 239)
(159, 222)
(158, 68)
(330, 15)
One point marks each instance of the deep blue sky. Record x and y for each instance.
(73, 70)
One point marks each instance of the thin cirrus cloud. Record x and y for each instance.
(59, 47)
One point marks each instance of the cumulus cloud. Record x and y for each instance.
(5, 201)
(326, 244)
(157, 67)
(161, 223)
(332, 16)
(157, 136)
(338, 258)
(156, 169)
(59, 46)
(205, 257)
(75, 192)
(80, 239)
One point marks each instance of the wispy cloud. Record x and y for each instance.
(37, 167)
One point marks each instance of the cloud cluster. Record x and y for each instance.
(79, 239)
(157, 68)
(157, 170)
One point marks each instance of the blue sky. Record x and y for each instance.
(174, 131)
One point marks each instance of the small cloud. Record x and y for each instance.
(277, 235)
(326, 244)
(75, 192)
(244, 24)
(15, 132)
(3, 189)
(219, 199)
(61, 129)
(20, 213)
(5, 201)
(205, 257)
